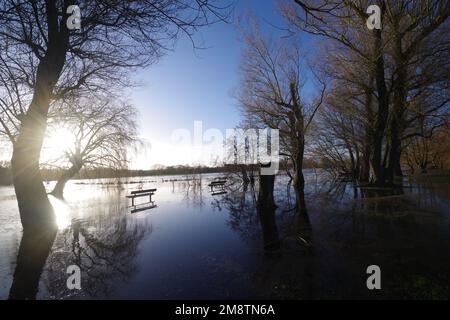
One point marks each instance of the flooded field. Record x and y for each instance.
(196, 245)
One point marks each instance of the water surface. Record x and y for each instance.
(196, 245)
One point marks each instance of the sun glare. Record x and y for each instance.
(62, 212)
(57, 143)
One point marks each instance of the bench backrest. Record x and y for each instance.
(143, 191)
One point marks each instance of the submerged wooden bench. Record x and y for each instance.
(217, 184)
(141, 193)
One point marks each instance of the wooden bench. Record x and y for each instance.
(217, 184)
(141, 193)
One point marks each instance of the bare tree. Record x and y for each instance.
(345, 23)
(414, 33)
(419, 44)
(49, 61)
(270, 96)
(241, 155)
(430, 151)
(104, 132)
(346, 125)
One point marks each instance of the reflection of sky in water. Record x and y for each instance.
(193, 245)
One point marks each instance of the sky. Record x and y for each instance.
(189, 85)
(190, 88)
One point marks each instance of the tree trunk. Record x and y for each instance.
(395, 120)
(58, 190)
(34, 206)
(299, 183)
(365, 165)
(393, 158)
(398, 168)
(381, 116)
(367, 148)
(297, 122)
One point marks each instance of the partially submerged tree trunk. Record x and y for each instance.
(299, 183)
(376, 165)
(364, 175)
(297, 121)
(396, 119)
(34, 206)
(58, 190)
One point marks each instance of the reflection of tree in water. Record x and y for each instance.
(282, 269)
(104, 248)
(353, 228)
(395, 227)
(241, 206)
(33, 252)
(274, 226)
(192, 190)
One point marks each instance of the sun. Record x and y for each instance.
(58, 141)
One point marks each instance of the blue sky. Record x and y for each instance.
(188, 85)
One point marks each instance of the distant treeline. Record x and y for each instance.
(100, 173)
(114, 173)
(54, 174)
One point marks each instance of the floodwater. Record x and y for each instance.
(194, 245)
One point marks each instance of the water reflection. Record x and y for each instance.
(33, 251)
(253, 221)
(269, 229)
(104, 246)
(192, 191)
(62, 212)
(105, 251)
(347, 229)
(194, 245)
(240, 204)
